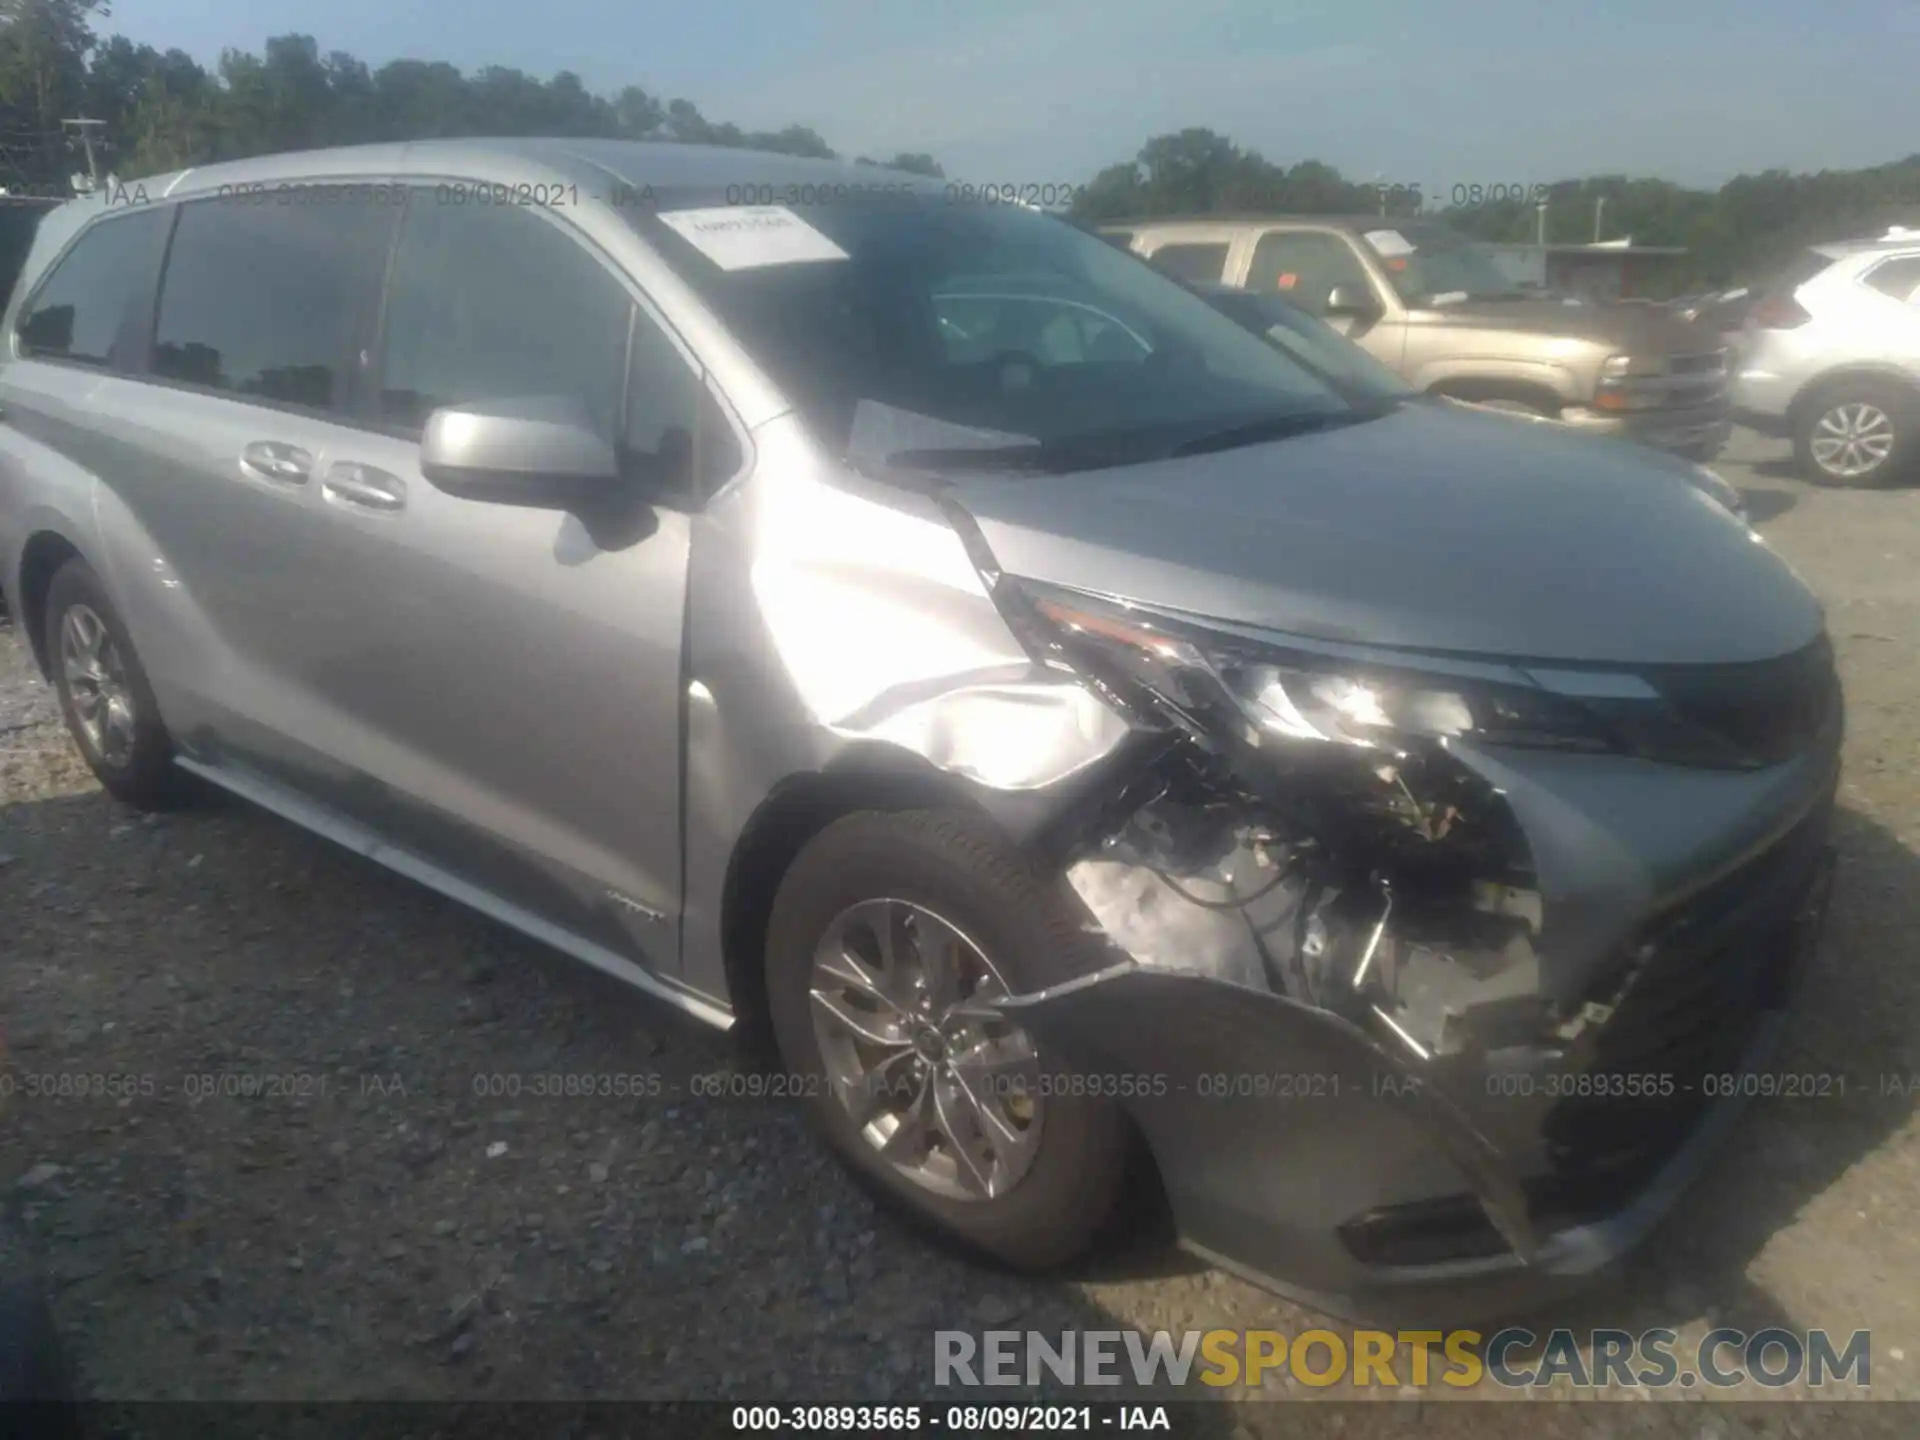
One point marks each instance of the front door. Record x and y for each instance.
(511, 675)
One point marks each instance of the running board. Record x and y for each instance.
(361, 841)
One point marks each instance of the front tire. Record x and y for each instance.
(888, 935)
(1858, 434)
(104, 694)
(38, 1389)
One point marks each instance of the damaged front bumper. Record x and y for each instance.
(1444, 1102)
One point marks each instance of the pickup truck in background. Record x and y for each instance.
(1439, 310)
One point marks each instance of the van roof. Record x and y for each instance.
(595, 166)
(583, 162)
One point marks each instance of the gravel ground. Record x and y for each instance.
(300, 1186)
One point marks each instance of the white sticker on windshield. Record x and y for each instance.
(1389, 243)
(1449, 297)
(744, 237)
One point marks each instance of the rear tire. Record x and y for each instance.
(935, 868)
(105, 697)
(1857, 434)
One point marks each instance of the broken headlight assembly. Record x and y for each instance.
(1231, 685)
(1315, 837)
(1324, 801)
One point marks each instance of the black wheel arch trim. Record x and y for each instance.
(41, 558)
(873, 775)
(1829, 380)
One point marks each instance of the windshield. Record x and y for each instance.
(1313, 342)
(1432, 265)
(923, 327)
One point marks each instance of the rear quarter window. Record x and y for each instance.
(92, 307)
(1898, 278)
(18, 225)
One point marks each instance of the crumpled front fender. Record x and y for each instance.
(1272, 1121)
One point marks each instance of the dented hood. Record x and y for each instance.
(1432, 527)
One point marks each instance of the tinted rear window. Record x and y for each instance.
(1897, 278)
(88, 311)
(266, 301)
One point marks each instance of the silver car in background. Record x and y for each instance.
(922, 636)
(1829, 357)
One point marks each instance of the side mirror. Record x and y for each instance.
(542, 451)
(1352, 300)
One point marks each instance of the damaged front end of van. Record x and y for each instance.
(1432, 977)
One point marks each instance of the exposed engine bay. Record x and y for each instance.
(1379, 888)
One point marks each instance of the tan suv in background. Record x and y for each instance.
(1437, 308)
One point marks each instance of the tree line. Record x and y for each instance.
(163, 110)
(1732, 234)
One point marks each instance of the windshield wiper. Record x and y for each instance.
(1033, 455)
(1056, 457)
(1278, 427)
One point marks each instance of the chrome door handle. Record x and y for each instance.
(364, 487)
(270, 460)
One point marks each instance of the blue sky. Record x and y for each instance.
(1027, 91)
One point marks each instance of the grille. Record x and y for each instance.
(1765, 712)
(1713, 362)
(1688, 997)
(1696, 390)
(1687, 1001)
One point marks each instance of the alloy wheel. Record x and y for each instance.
(935, 1078)
(1852, 439)
(97, 685)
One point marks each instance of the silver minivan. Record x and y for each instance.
(1060, 725)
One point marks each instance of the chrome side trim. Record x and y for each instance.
(271, 797)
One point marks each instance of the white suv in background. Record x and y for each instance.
(1830, 357)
